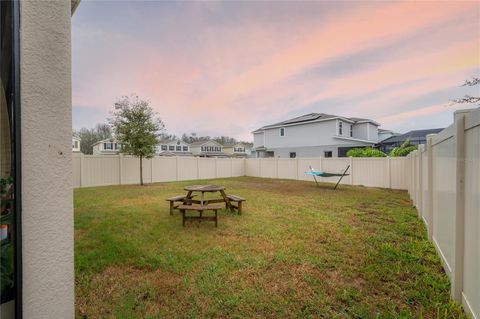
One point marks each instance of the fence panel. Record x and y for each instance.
(77, 169)
(372, 172)
(471, 281)
(100, 170)
(268, 167)
(252, 167)
(224, 167)
(186, 168)
(238, 167)
(164, 169)
(206, 168)
(444, 188)
(399, 176)
(287, 168)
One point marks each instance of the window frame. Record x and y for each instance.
(164, 147)
(282, 132)
(328, 152)
(293, 154)
(340, 128)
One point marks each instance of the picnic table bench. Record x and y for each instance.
(238, 200)
(200, 209)
(176, 201)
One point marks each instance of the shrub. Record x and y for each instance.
(365, 152)
(403, 150)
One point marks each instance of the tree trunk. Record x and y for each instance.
(141, 172)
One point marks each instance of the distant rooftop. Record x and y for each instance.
(415, 135)
(315, 117)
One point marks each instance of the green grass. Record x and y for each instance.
(297, 251)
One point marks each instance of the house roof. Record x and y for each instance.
(316, 117)
(108, 140)
(415, 135)
(202, 142)
(166, 141)
(238, 143)
(381, 130)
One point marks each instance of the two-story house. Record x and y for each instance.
(240, 149)
(106, 147)
(174, 147)
(76, 143)
(314, 135)
(207, 148)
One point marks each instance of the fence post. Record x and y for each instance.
(198, 167)
(260, 167)
(389, 172)
(276, 167)
(82, 170)
(151, 169)
(351, 170)
(296, 165)
(320, 168)
(176, 168)
(429, 207)
(457, 284)
(120, 168)
(420, 180)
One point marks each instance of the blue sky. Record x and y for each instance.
(227, 68)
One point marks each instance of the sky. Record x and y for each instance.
(228, 68)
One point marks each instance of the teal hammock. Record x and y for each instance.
(315, 173)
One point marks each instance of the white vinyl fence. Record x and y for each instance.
(104, 170)
(444, 184)
(385, 172)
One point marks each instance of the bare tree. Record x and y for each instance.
(469, 99)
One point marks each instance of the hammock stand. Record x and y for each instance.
(325, 174)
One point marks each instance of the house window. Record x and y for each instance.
(282, 131)
(293, 154)
(76, 144)
(116, 146)
(327, 154)
(171, 147)
(185, 148)
(340, 128)
(179, 148)
(164, 147)
(108, 146)
(351, 130)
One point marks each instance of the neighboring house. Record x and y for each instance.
(384, 134)
(416, 137)
(314, 135)
(76, 143)
(173, 148)
(106, 147)
(238, 149)
(207, 148)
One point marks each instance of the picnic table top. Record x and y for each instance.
(204, 188)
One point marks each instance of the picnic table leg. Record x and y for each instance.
(227, 201)
(188, 197)
(171, 208)
(240, 208)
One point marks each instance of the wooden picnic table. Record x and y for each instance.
(202, 189)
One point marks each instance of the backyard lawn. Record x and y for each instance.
(297, 251)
